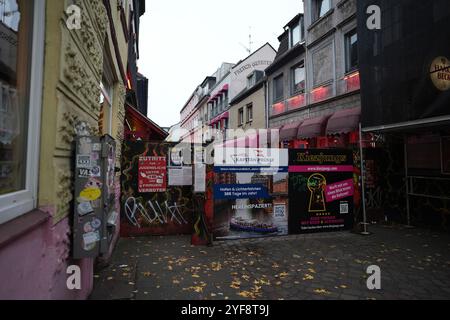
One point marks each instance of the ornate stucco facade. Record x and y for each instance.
(74, 63)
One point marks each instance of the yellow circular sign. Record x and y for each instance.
(440, 73)
(90, 194)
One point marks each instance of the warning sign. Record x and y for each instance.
(152, 174)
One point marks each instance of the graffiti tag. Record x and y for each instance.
(154, 213)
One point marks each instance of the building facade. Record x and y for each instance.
(247, 109)
(331, 78)
(234, 84)
(406, 109)
(66, 72)
(286, 77)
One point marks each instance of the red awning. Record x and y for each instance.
(225, 88)
(344, 121)
(313, 127)
(289, 131)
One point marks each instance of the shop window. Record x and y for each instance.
(278, 88)
(445, 155)
(351, 51)
(298, 78)
(20, 98)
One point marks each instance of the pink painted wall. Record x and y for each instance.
(34, 266)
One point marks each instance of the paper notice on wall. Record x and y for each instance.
(180, 176)
(200, 178)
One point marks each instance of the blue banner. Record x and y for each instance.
(240, 191)
(241, 169)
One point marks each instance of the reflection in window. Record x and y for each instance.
(15, 55)
(351, 51)
(298, 78)
(295, 35)
(322, 7)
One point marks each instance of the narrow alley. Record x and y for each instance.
(414, 265)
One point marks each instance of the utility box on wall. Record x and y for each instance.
(94, 219)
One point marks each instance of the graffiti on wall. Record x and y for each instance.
(163, 211)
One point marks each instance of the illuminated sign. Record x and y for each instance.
(440, 73)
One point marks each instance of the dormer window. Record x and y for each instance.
(251, 80)
(296, 33)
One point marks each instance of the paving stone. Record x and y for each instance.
(409, 270)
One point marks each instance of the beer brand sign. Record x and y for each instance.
(440, 73)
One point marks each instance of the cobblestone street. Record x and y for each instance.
(415, 264)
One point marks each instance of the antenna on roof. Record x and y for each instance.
(250, 42)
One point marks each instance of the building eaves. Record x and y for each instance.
(289, 55)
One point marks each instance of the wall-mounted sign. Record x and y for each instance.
(152, 174)
(440, 73)
(320, 190)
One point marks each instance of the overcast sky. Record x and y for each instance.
(184, 41)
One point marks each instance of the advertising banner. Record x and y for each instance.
(152, 174)
(250, 193)
(321, 190)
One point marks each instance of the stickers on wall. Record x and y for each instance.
(96, 147)
(91, 192)
(83, 161)
(85, 208)
(90, 240)
(87, 173)
(95, 171)
(85, 146)
(92, 234)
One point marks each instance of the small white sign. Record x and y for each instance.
(200, 178)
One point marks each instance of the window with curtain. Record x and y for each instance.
(16, 30)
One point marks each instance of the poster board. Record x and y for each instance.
(321, 190)
(250, 193)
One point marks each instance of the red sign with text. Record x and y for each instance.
(152, 174)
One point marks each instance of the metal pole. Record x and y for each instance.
(408, 216)
(365, 232)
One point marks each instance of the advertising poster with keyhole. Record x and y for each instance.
(321, 189)
(152, 174)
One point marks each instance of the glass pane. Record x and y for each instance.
(15, 52)
(278, 88)
(324, 7)
(295, 35)
(299, 79)
(351, 51)
(354, 50)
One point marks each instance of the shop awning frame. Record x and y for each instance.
(344, 121)
(313, 128)
(290, 131)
